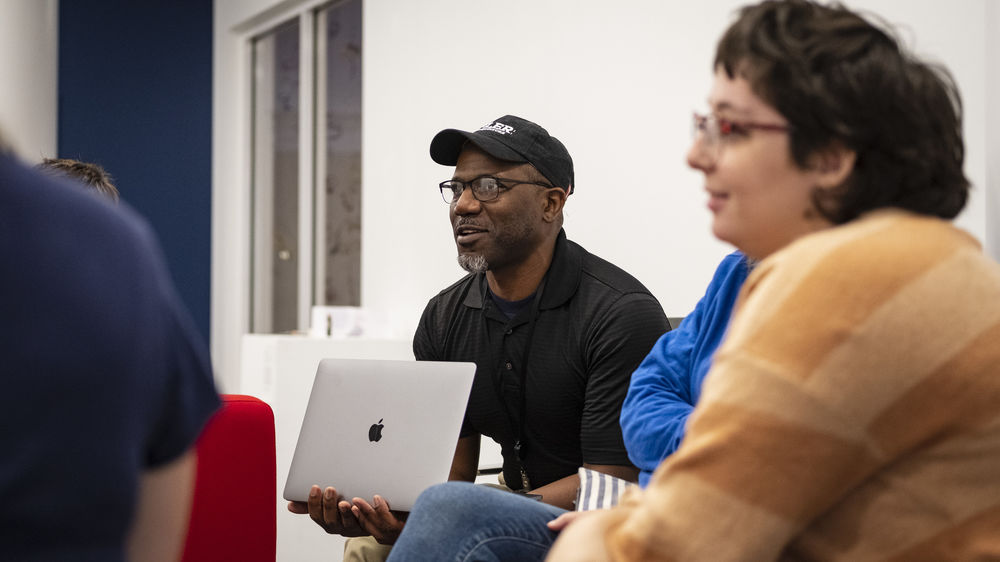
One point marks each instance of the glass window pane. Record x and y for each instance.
(338, 154)
(275, 247)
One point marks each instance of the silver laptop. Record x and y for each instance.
(380, 427)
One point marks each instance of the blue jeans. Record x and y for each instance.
(463, 522)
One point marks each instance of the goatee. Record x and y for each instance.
(473, 264)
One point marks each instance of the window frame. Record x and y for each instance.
(233, 301)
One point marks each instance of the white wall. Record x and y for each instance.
(28, 64)
(616, 82)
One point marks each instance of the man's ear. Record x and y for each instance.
(833, 165)
(554, 200)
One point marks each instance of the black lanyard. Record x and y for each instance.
(517, 429)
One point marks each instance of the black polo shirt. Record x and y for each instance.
(595, 324)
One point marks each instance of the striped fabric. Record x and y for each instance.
(853, 412)
(599, 490)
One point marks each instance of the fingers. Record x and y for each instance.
(315, 506)
(330, 510)
(378, 509)
(337, 516)
(365, 514)
(560, 523)
(350, 525)
(377, 519)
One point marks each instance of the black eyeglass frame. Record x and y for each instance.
(481, 193)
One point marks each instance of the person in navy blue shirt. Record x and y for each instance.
(107, 384)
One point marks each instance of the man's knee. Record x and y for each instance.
(446, 494)
(365, 549)
(463, 501)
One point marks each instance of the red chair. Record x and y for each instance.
(233, 515)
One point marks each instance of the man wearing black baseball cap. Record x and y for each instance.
(554, 330)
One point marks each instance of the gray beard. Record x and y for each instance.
(473, 264)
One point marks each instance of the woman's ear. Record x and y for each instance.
(833, 165)
(554, 201)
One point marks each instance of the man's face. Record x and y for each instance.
(501, 233)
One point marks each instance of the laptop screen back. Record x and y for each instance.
(380, 427)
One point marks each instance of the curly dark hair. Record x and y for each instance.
(840, 80)
(92, 175)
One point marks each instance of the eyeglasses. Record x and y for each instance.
(484, 188)
(716, 131)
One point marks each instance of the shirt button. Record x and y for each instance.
(509, 332)
(509, 366)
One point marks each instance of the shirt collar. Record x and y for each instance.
(563, 279)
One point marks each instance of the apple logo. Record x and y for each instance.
(375, 431)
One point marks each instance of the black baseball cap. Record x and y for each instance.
(511, 139)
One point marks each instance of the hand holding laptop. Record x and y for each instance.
(331, 511)
(383, 524)
(355, 518)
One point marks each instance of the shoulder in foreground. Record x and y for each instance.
(891, 231)
(884, 247)
(75, 216)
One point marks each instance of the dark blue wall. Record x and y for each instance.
(135, 95)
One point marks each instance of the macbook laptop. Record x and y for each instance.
(380, 427)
